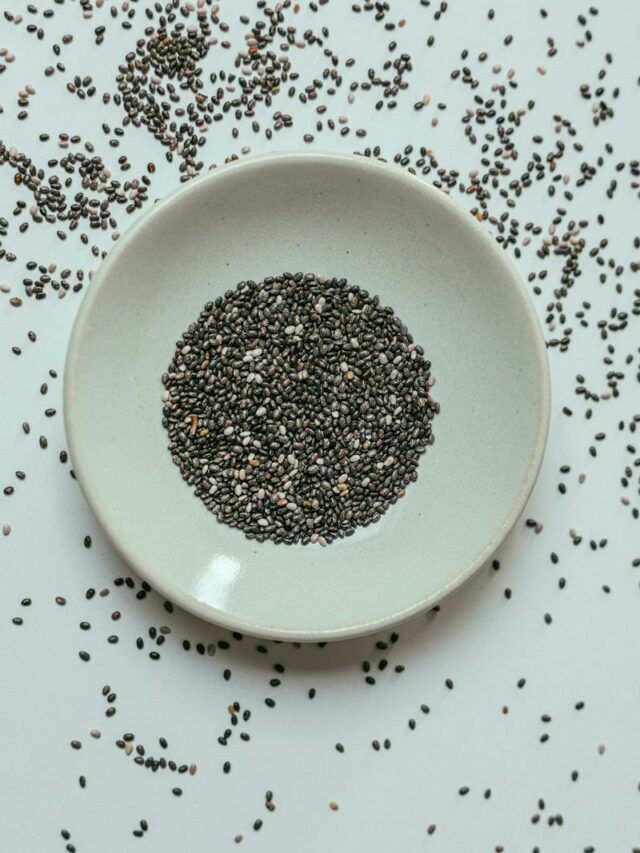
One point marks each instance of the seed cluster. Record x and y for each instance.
(298, 408)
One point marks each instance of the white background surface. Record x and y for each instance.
(481, 640)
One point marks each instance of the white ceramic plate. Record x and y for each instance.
(390, 233)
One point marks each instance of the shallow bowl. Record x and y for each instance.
(389, 233)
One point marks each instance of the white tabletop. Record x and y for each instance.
(484, 732)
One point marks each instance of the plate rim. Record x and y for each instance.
(175, 592)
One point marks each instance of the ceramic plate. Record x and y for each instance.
(389, 233)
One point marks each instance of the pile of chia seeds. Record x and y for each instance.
(298, 408)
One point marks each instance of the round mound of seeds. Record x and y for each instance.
(298, 408)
